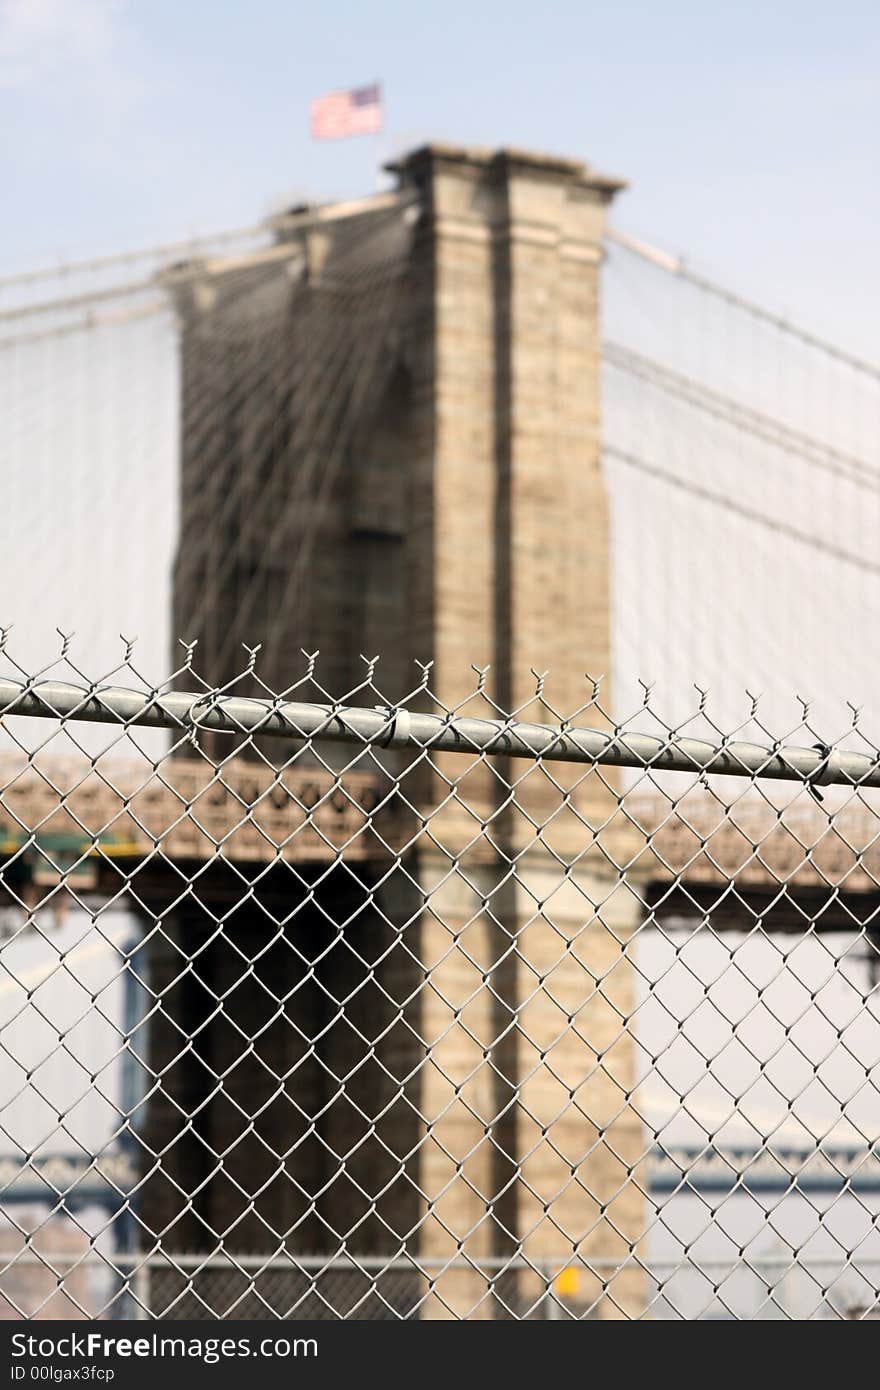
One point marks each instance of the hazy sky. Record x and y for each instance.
(748, 131)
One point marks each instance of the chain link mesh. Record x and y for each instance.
(317, 1006)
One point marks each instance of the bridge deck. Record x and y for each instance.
(70, 817)
(73, 817)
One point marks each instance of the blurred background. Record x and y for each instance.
(740, 449)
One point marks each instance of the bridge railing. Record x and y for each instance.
(431, 1004)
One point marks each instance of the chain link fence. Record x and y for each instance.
(321, 1006)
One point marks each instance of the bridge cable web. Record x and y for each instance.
(742, 458)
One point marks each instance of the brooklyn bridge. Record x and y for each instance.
(384, 1001)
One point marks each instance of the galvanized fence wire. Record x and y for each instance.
(367, 1007)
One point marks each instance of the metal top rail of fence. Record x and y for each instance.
(398, 727)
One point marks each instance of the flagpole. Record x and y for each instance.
(382, 151)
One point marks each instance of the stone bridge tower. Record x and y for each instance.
(391, 445)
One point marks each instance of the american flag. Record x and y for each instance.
(356, 112)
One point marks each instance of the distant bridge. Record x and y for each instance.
(768, 1169)
(107, 1179)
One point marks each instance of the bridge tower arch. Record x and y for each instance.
(467, 519)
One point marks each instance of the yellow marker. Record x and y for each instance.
(568, 1282)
